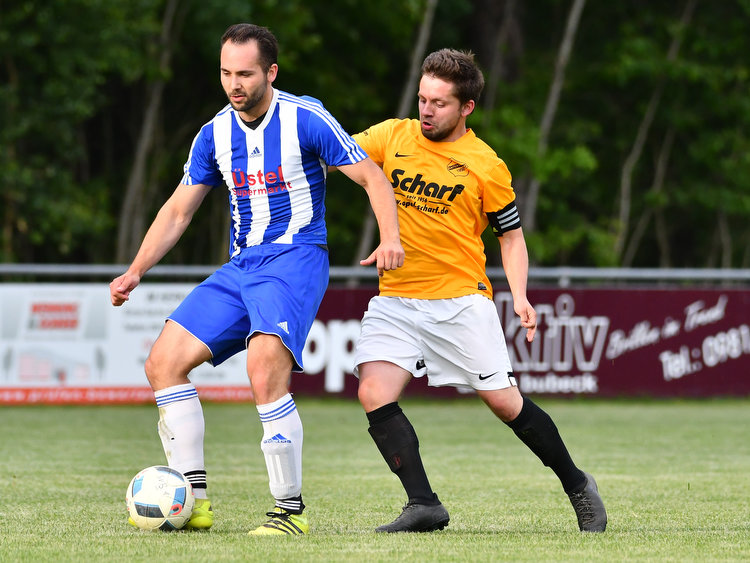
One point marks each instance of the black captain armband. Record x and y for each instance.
(504, 220)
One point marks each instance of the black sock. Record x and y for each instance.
(535, 428)
(197, 478)
(293, 505)
(398, 444)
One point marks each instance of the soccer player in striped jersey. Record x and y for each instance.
(435, 316)
(271, 150)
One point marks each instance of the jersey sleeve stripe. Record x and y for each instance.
(505, 220)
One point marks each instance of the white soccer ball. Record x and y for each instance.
(161, 498)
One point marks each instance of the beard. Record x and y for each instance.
(252, 99)
(438, 134)
(433, 134)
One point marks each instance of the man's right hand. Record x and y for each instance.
(120, 288)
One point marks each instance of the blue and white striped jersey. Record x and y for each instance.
(276, 173)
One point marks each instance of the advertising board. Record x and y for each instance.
(65, 343)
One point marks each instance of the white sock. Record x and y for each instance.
(181, 429)
(282, 448)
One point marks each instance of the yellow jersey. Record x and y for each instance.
(447, 193)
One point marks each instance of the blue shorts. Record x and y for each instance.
(269, 289)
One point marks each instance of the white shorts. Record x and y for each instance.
(457, 342)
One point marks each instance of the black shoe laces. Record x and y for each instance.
(407, 507)
(583, 506)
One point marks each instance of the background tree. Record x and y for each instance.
(57, 63)
(100, 100)
(405, 104)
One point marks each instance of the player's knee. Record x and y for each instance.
(162, 371)
(153, 369)
(367, 393)
(267, 388)
(505, 414)
(363, 392)
(504, 403)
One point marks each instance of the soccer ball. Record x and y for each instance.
(159, 497)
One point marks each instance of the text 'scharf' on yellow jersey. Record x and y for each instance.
(447, 193)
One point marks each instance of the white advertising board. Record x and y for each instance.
(65, 343)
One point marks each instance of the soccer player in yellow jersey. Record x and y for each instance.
(435, 315)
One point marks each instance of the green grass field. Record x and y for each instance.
(675, 477)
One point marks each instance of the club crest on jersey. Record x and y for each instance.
(457, 168)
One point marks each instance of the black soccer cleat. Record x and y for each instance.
(418, 518)
(592, 517)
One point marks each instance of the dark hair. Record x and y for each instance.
(459, 68)
(268, 47)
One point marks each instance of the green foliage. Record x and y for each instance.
(619, 58)
(56, 59)
(74, 78)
